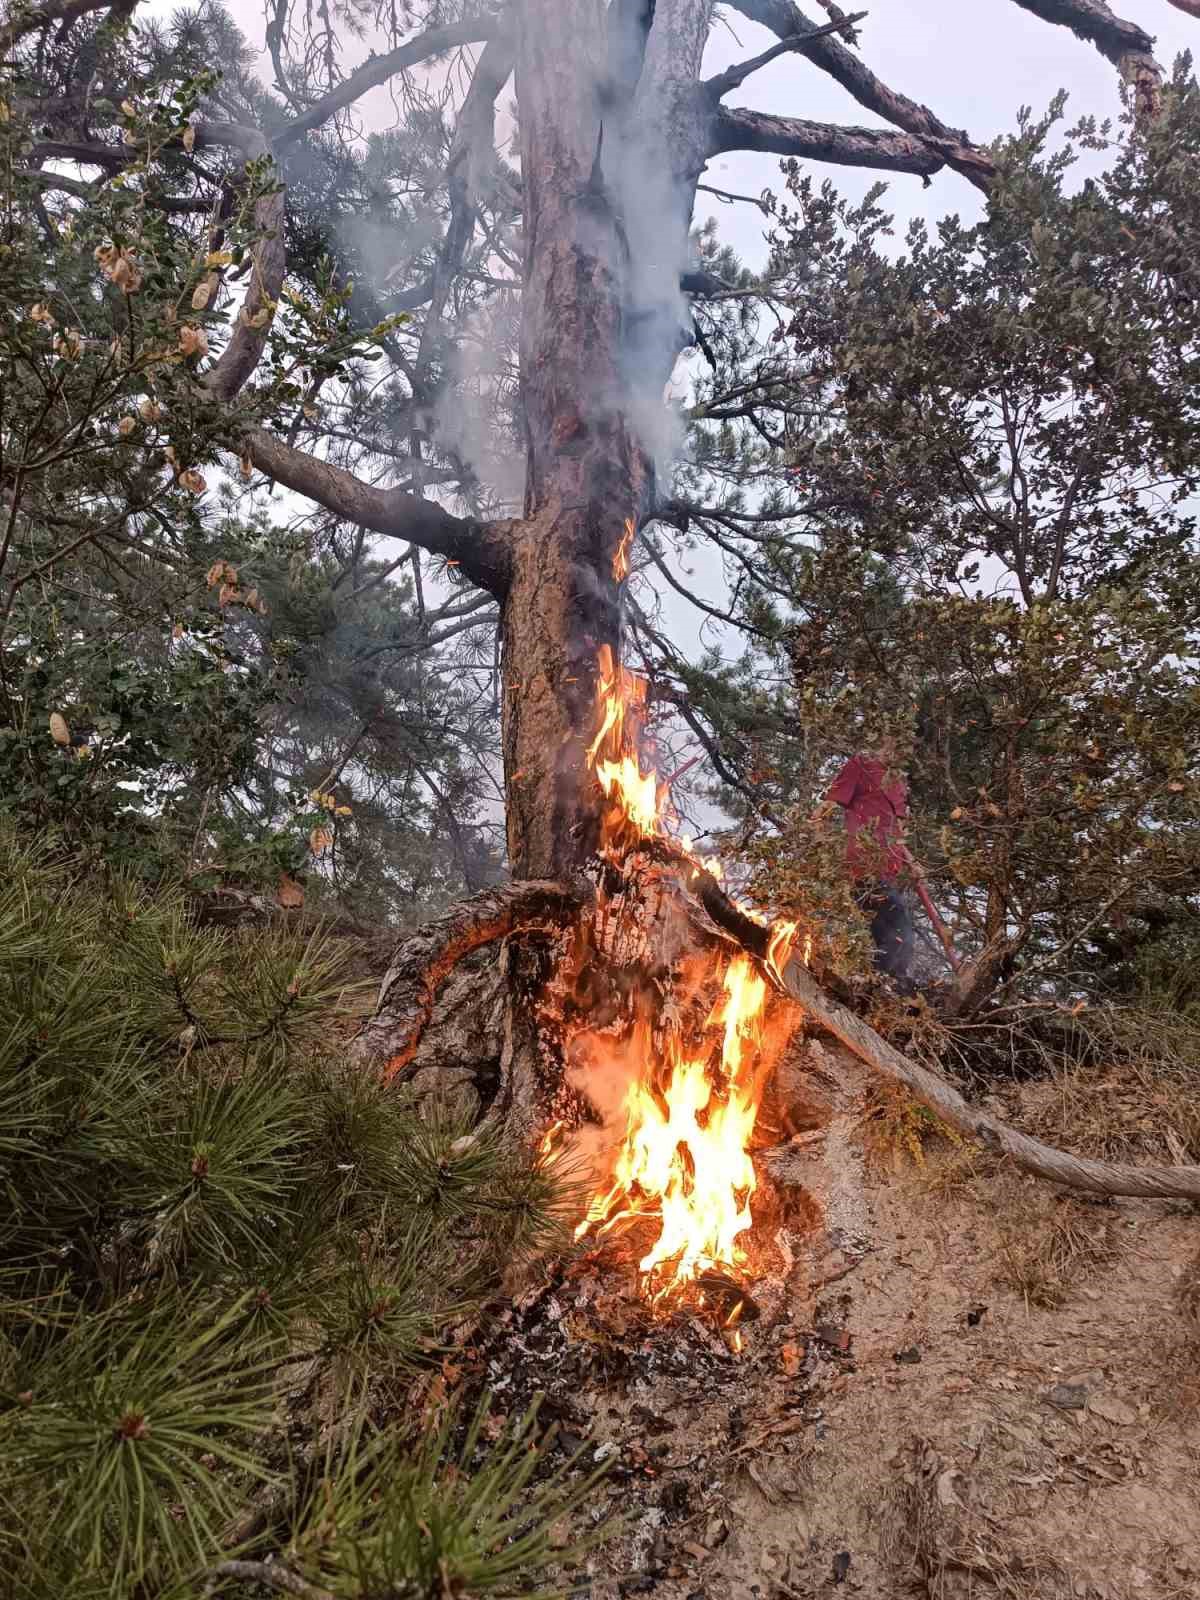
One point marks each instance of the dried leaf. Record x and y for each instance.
(319, 840)
(59, 731)
(1112, 1410)
(289, 893)
(945, 1489)
(189, 138)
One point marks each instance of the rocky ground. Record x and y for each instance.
(959, 1384)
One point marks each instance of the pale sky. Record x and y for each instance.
(974, 63)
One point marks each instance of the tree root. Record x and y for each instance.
(424, 960)
(1076, 1172)
(427, 957)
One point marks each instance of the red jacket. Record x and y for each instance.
(873, 809)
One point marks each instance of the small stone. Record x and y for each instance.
(716, 1533)
(1068, 1396)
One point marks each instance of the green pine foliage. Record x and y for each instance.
(226, 1255)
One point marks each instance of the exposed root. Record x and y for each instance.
(423, 961)
(427, 957)
(1076, 1172)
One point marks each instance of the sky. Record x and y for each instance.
(973, 62)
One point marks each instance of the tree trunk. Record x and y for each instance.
(585, 471)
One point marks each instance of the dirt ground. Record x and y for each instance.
(905, 1418)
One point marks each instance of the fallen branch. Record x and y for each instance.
(427, 957)
(1043, 1160)
(1076, 1172)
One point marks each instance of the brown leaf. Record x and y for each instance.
(59, 731)
(319, 840)
(1112, 1409)
(289, 893)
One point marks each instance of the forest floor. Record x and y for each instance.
(962, 1383)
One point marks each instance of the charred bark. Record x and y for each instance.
(424, 961)
(585, 470)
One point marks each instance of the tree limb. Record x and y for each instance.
(269, 264)
(272, 1574)
(1128, 47)
(21, 22)
(735, 128)
(1076, 1172)
(1043, 1160)
(378, 69)
(479, 549)
(422, 963)
(1192, 7)
(783, 18)
(799, 43)
(471, 149)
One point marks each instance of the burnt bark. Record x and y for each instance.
(586, 471)
(425, 960)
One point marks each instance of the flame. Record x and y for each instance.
(621, 559)
(685, 1154)
(689, 1113)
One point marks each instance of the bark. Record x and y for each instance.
(1129, 47)
(785, 19)
(481, 550)
(735, 128)
(424, 961)
(585, 470)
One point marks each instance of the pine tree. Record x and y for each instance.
(225, 1256)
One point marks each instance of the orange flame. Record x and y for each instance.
(690, 1111)
(685, 1156)
(621, 559)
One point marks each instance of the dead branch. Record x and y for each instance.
(799, 43)
(426, 958)
(736, 128)
(1128, 47)
(784, 19)
(1076, 1172)
(378, 69)
(21, 23)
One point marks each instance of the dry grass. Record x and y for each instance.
(946, 1551)
(1048, 1243)
(1119, 1086)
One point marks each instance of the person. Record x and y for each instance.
(874, 802)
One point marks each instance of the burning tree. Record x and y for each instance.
(609, 922)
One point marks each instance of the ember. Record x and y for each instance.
(697, 1067)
